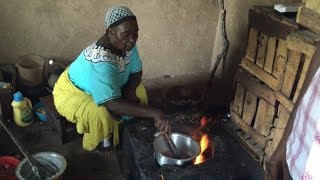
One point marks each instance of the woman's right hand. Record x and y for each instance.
(162, 123)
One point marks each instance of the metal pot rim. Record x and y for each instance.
(188, 159)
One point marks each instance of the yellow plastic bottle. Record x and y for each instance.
(22, 110)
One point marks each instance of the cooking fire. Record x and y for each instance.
(201, 135)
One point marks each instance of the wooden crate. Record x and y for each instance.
(300, 49)
(309, 15)
(266, 52)
(254, 108)
(259, 114)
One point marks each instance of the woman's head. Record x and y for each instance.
(122, 27)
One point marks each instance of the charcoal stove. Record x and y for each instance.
(229, 161)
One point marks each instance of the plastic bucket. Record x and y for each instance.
(30, 69)
(8, 165)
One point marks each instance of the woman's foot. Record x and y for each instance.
(105, 151)
(105, 148)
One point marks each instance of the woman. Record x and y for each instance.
(105, 78)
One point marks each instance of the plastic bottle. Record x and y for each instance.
(22, 110)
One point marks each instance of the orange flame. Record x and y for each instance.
(204, 144)
(203, 122)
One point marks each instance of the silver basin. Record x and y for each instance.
(51, 160)
(189, 149)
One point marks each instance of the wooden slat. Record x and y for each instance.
(252, 44)
(260, 74)
(280, 60)
(249, 107)
(238, 100)
(309, 18)
(266, 20)
(291, 71)
(284, 101)
(313, 4)
(270, 149)
(302, 77)
(283, 117)
(258, 137)
(262, 49)
(264, 117)
(256, 87)
(307, 36)
(296, 44)
(271, 50)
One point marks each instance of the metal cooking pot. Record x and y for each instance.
(189, 148)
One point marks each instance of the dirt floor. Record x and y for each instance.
(81, 164)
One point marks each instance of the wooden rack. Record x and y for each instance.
(269, 79)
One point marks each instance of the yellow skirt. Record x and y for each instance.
(94, 121)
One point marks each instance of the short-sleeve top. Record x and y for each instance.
(101, 74)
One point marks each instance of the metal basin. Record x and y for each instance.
(56, 162)
(188, 148)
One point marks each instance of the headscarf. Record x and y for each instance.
(117, 15)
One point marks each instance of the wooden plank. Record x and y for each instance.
(264, 117)
(260, 74)
(280, 60)
(306, 64)
(291, 71)
(309, 18)
(256, 136)
(238, 99)
(252, 44)
(266, 20)
(284, 101)
(270, 149)
(249, 107)
(307, 36)
(256, 87)
(262, 49)
(271, 51)
(313, 4)
(283, 117)
(296, 44)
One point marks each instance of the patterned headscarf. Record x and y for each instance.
(117, 15)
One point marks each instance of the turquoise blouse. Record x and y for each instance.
(101, 74)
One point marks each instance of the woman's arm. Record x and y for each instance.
(129, 90)
(125, 107)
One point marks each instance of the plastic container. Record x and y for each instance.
(30, 69)
(8, 166)
(22, 110)
(39, 109)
